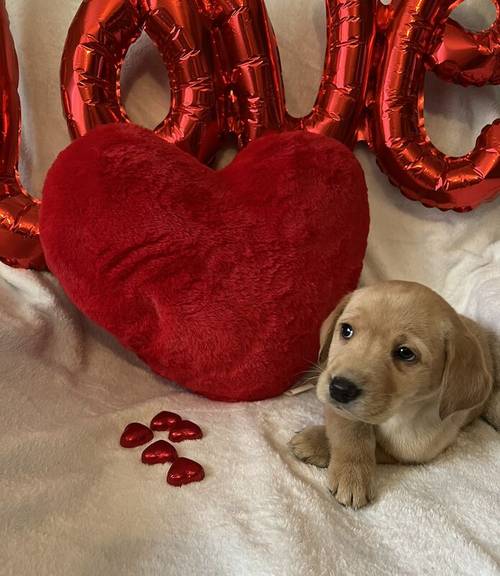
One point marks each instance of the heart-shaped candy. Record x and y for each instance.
(159, 452)
(135, 434)
(185, 430)
(164, 420)
(219, 280)
(184, 471)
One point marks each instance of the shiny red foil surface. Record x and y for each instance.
(225, 75)
(372, 86)
(400, 141)
(97, 42)
(19, 235)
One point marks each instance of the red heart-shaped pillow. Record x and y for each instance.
(219, 280)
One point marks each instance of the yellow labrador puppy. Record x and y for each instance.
(402, 373)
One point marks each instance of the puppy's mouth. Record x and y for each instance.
(344, 411)
(358, 413)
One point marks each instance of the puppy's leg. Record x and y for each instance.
(352, 465)
(311, 446)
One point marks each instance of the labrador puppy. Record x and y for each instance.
(401, 374)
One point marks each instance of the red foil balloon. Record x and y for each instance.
(249, 71)
(19, 235)
(339, 108)
(469, 58)
(98, 40)
(372, 85)
(252, 83)
(403, 149)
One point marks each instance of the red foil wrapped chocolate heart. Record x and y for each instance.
(135, 434)
(159, 452)
(165, 420)
(185, 471)
(185, 430)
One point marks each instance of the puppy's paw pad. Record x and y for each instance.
(311, 446)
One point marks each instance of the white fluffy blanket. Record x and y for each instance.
(72, 502)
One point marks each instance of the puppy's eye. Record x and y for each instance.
(405, 354)
(346, 331)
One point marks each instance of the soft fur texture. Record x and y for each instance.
(406, 410)
(218, 280)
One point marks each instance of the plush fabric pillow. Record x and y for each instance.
(219, 280)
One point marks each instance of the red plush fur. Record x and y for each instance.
(218, 280)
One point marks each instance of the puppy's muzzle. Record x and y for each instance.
(343, 390)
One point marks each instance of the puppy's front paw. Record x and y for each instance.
(351, 483)
(311, 446)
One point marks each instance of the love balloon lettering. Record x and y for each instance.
(225, 79)
(19, 241)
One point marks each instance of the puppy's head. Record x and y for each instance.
(396, 343)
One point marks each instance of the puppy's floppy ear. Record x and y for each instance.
(466, 380)
(328, 328)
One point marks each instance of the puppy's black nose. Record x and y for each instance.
(343, 390)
